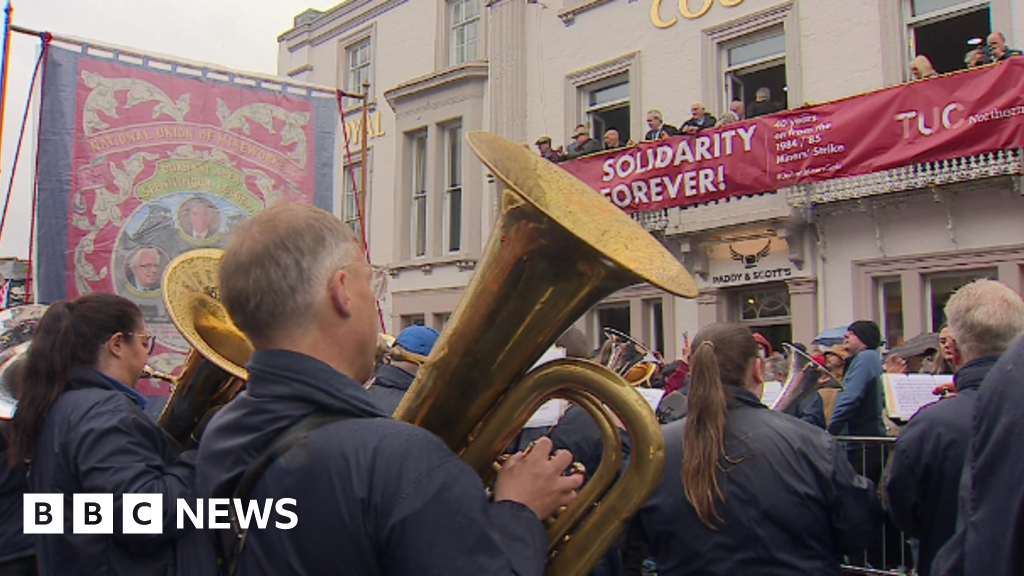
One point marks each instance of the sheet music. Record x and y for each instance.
(548, 414)
(905, 394)
(772, 390)
(652, 395)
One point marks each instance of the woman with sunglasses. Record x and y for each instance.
(80, 428)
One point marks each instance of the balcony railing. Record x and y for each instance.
(903, 179)
(912, 177)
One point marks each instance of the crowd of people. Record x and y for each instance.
(993, 49)
(745, 489)
(582, 143)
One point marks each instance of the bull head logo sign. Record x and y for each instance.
(751, 260)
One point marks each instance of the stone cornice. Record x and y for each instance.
(337, 20)
(435, 81)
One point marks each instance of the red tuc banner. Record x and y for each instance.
(951, 116)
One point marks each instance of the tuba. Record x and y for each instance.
(557, 249)
(630, 359)
(214, 370)
(805, 378)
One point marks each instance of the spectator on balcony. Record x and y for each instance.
(546, 151)
(658, 129)
(998, 49)
(699, 120)
(975, 58)
(985, 317)
(763, 104)
(921, 68)
(611, 140)
(571, 146)
(734, 114)
(584, 143)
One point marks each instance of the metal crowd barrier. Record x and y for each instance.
(889, 552)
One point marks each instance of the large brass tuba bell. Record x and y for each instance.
(214, 370)
(557, 249)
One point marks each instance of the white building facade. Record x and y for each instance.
(789, 263)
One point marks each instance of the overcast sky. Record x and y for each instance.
(239, 34)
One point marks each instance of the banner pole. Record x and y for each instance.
(4, 69)
(364, 194)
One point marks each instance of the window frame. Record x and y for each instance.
(350, 50)
(351, 172)
(453, 137)
(452, 27)
(419, 194)
(718, 39)
(911, 22)
(579, 85)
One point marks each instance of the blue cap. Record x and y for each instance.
(417, 339)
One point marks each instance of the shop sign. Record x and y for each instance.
(750, 262)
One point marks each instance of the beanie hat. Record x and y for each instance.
(868, 333)
(417, 339)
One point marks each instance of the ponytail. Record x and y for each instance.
(722, 355)
(703, 434)
(68, 334)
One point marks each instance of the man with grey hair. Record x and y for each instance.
(145, 267)
(658, 129)
(374, 495)
(985, 317)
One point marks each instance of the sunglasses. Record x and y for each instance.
(148, 340)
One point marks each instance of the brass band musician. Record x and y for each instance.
(374, 495)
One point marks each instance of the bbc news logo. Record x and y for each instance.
(143, 513)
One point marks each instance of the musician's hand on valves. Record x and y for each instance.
(536, 478)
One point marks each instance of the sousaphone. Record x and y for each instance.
(557, 249)
(214, 370)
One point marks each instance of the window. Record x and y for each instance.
(412, 320)
(464, 24)
(890, 309)
(614, 316)
(441, 320)
(941, 287)
(453, 189)
(350, 205)
(358, 56)
(656, 326)
(764, 304)
(419, 194)
(943, 29)
(606, 105)
(753, 62)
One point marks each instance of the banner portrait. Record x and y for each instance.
(952, 116)
(139, 164)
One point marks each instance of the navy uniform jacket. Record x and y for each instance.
(390, 386)
(375, 496)
(924, 481)
(14, 543)
(858, 409)
(792, 501)
(988, 537)
(97, 439)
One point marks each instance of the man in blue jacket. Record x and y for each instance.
(374, 496)
(985, 317)
(858, 409)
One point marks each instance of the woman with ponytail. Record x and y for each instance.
(746, 490)
(80, 428)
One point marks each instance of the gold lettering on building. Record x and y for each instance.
(686, 11)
